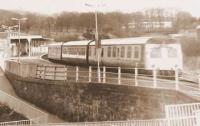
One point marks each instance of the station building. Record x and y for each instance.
(23, 44)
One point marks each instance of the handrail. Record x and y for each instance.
(57, 73)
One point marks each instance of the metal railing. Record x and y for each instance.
(16, 123)
(109, 75)
(197, 114)
(183, 121)
(40, 50)
(181, 110)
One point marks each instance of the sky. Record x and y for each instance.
(56, 6)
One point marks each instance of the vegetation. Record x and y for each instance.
(71, 25)
(191, 54)
(190, 46)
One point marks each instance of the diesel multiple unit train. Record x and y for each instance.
(164, 54)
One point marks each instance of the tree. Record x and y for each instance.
(183, 20)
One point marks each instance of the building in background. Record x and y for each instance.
(150, 26)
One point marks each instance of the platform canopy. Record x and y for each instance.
(26, 41)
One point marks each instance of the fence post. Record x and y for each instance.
(199, 80)
(136, 76)
(44, 73)
(19, 71)
(154, 78)
(90, 74)
(65, 74)
(99, 74)
(54, 73)
(36, 71)
(176, 79)
(104, 74)
(31, 121)
(77, 70)
(119, 75)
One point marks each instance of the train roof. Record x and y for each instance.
(120, 41)
(124, 41)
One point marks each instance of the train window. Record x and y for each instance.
(77, 51)
(90, 51)
(155, 53)
(122, 52)
(118, 51)
(129, 51)
(114, 52)
(109, 52)
(81, 51)
(68, 50)
(84, 51)
(136, 52)
(94, 51)
(172, 52)
(72, 51)
(65, 50)
(102, 52)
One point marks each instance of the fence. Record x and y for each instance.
(38, 51)
(16, 123)
(184, 121)
(182, 110)
(198, 117)
(110, 75)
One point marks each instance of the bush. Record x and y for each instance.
(66, 37)
(191, 54)
(190, 46)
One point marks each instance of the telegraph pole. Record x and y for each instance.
(97, 41)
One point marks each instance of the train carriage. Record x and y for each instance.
(144, 52)
(120, 52)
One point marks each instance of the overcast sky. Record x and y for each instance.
(56, 6)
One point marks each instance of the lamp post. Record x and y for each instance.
(97, 42)
(8, 29)
(19, 23)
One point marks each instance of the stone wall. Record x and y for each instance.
(96, 102)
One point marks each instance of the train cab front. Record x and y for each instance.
(166, 58)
